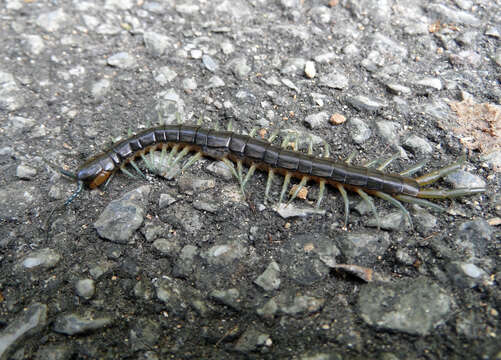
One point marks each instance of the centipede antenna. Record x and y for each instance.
(60, 169)
(368, 200)
(127, 172)
(344, 195)
(350, 157)
(372, 162)
(73, 196)
(414, 169)
(301, 184)
(229, 127)
(253, 132)
(287, 180)
(320, 193)
(271, 174)
(433, 176)
(396, 203)
(134, 165)
(418, 201)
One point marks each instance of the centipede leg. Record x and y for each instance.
(418, 201)
(388, 161)
(147, 162)
(414, 169)
(344, 195)
(190, 162)
(321, 192)
(368, 200)
(287, 180)
(433, 176)
(301, 184)
(271, 175)
(134, 165)
(249, 174)
(127, 172)
(449, 193)
(396, 203)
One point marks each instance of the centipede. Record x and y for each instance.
(240, 152)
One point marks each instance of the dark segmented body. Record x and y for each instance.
(227, 144)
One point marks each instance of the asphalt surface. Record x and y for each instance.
(185, 267)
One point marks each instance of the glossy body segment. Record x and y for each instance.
(222, 144)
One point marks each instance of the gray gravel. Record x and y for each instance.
(184, 266)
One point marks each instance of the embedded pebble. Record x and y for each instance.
(251, 340)
(215, 82)
(309, 69)
(30, 322)
(11, 97)
(144, 334)
(392, 221)
(359, 130)
(450, 15)
(268, 310)
(165, 75)
(290, 85)
(33, 44)
(43, 258)
(424, 221)
(220, 169)
(290, 211)
(189, 184)
(122, 217)
(466, 275)
(185, 261)
(293, 66)
(317, 120)
(418, 145)
(270, 279)
(224, 254)
(240, 68)
(414, 307)
(165, 200)
(433, 83)
(398, 89)
(463, 179)
(209, 206)
(389, 131)
(335, 80)
(301, 304)
(363, 248)
(122, 60)
(466, 58)
(209, 63)
(156, 43)
(108, 29)
(493, 159)
(187, 9)
(167, 247)
(25, 172)
(85, 288)
(52, 21)
(473, 238)
(229, 297)
(100, 88)
(189, 84)
(72, 324)
(364, 103)
(170, 292)
(227, 48)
